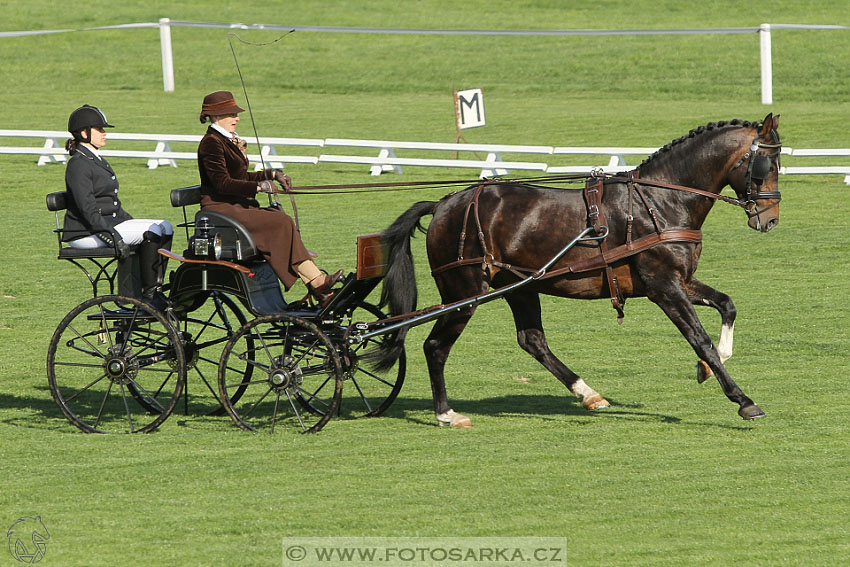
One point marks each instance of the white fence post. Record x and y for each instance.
(766, 65)
(167, 60)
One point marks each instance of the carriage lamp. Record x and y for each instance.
(203, 243)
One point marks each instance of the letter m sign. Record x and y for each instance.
(469, 108)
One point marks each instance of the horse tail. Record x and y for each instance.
(399, 289)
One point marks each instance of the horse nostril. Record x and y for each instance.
(770, 224)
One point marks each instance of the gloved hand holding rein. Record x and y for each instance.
(266, 186)
(283, 179)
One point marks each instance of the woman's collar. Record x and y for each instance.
(222, 131)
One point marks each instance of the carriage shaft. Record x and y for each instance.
(438, 311)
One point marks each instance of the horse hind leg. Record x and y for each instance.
(701, 294)
(532, 339)
(437, 346)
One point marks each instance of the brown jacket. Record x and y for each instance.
(229, 188)
(224, 171)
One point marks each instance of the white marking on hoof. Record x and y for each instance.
(594, 403)
(724, 346)
(453, 419)
(590, 398)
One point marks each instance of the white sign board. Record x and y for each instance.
(469, 108)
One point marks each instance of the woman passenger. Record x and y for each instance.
(95, 217)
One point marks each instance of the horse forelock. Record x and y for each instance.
(697, 133)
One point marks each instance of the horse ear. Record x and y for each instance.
(770, 122)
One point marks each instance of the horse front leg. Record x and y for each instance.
(440, 340)
(673, 300)
(532, 339)
(701, 294)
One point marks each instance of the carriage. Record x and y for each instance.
(115, 363)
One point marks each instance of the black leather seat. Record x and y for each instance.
(104, 266)
(237, 245)
(57, 202)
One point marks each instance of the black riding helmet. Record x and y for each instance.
(84, 118)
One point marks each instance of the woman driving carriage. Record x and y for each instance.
(95, 217)
(228, 188)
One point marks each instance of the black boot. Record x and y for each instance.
(165, 242)
(150, 271)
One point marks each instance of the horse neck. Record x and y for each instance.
(702, 162)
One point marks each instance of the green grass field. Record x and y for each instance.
(669, 475)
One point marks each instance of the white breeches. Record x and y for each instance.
(131, 232)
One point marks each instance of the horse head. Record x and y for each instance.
(755, 176)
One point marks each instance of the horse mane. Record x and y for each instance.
(711, 126)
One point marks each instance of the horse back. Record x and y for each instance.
(514, 229)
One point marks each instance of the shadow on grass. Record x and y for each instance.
(36, 411)
(542, 407)
(41, 412)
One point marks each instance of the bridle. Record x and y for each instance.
(758, 167)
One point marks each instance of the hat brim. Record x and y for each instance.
(226, 110)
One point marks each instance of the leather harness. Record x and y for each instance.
(757, 170)
(593, 193)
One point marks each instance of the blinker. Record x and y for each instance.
(761, 167)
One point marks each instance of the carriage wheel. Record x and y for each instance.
(292, 360)
(204, 331)
(115, 365)
(367, 392)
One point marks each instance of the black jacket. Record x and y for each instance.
(94, 206)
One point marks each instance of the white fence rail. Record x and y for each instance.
(612, 159)
(53, 148)
(165, 24)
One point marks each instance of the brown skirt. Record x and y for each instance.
(273, 231)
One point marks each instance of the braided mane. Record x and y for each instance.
(701, 130)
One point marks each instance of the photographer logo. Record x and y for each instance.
(28, 539)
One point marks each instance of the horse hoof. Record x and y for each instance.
(703, 372)
(751, 412)
(453, 419)
(594, 403)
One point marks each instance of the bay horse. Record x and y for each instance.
(497, 232)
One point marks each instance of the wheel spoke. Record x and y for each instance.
(296, 411)
(207, 384)
(362, 395)
(127, 408)
(94, 350)
(375, 377)
(258, 402)
(151, 398)
(102, 405)
(86, 388)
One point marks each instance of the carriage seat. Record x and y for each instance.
(57, 202)
(237, 244)
(103, 266)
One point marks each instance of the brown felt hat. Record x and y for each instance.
(219, 103)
